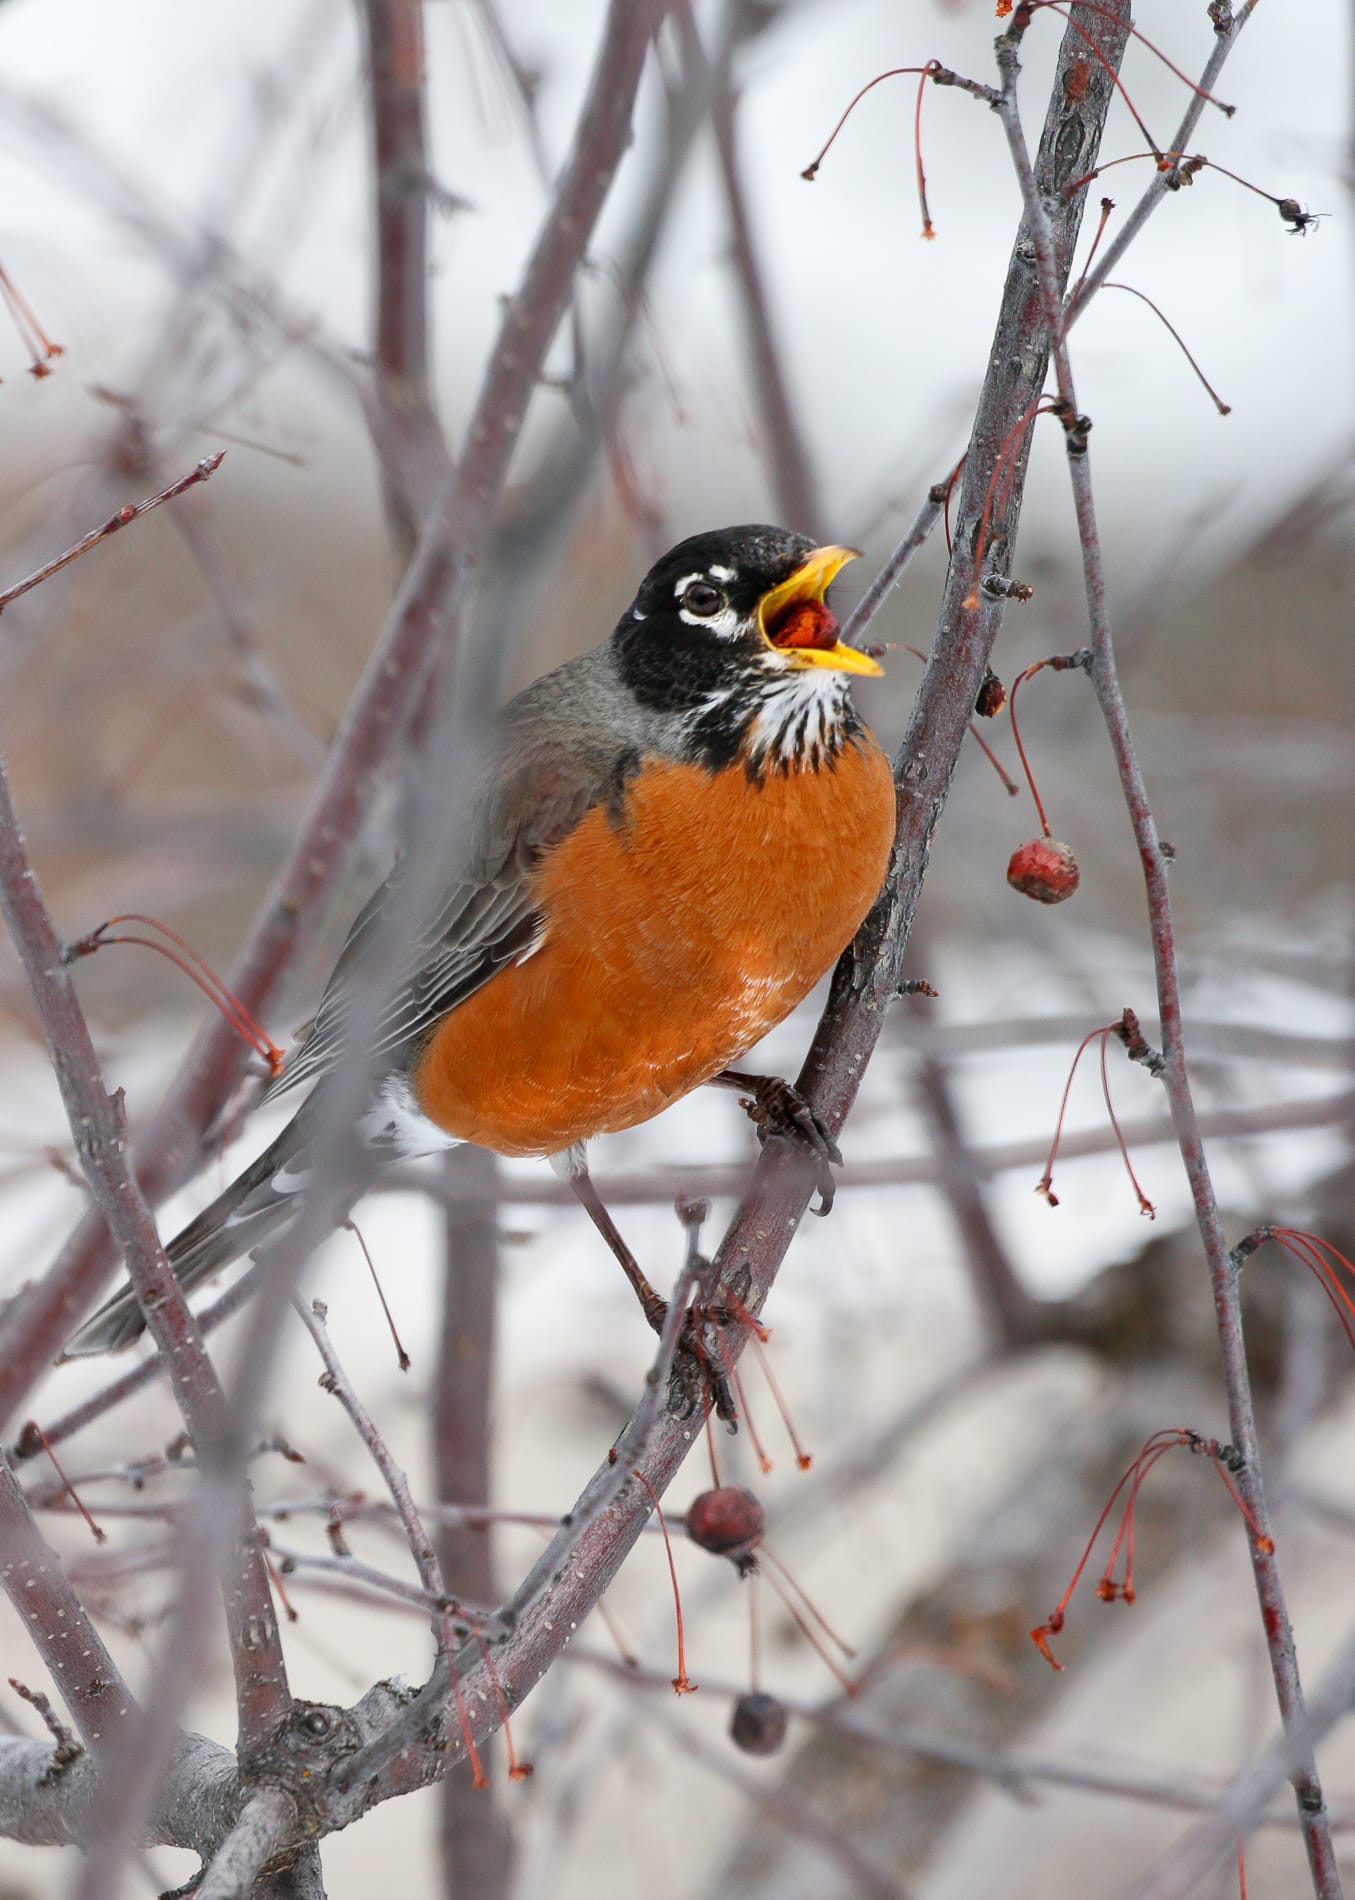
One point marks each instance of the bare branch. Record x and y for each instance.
(336, 1380)
(266, 1821)
(122, 518)
(98, 1127)
(90, 1682)
(409, 439)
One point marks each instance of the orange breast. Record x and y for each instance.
(674, 941)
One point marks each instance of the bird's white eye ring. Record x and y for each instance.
(699, 597)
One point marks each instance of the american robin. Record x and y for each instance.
(675, 837)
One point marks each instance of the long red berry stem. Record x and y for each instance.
(932, 66)
(1019, 681)
(1008, 785)
(195, 968)
(518, 1770)
(1145, 1205)
(1045, 1183)
(894, 72)
(807, 1629)
(1311, 1251)
(681, 1682)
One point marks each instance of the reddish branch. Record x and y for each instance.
(72, 1649)
(98, 1126)
(409, 439)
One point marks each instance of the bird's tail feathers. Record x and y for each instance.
(254, 1207)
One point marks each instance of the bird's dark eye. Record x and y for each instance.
(701, 598)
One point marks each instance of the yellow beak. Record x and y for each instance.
(810, 582)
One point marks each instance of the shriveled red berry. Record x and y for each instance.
(727, 1521)
(758, 1724)
(1045, 870)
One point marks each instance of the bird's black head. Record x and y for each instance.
(723, 619)
(712, 583)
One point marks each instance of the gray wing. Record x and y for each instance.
(485, 917)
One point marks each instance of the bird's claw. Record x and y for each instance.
(777, 1109)
(698, 1372)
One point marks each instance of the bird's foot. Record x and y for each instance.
(778, 1110)
(698, 1376)
(701, 1376)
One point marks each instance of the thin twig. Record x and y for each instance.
(1017, 1773)
(336, 1380)
(98, 1126)
(121, 518)
(891, 573)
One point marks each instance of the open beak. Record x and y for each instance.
(807, 587)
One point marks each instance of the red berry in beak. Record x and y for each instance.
(807, 623)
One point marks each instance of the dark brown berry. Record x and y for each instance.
(728, 1521)
(992, 697)
(1045, 870)
(758, 1724)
